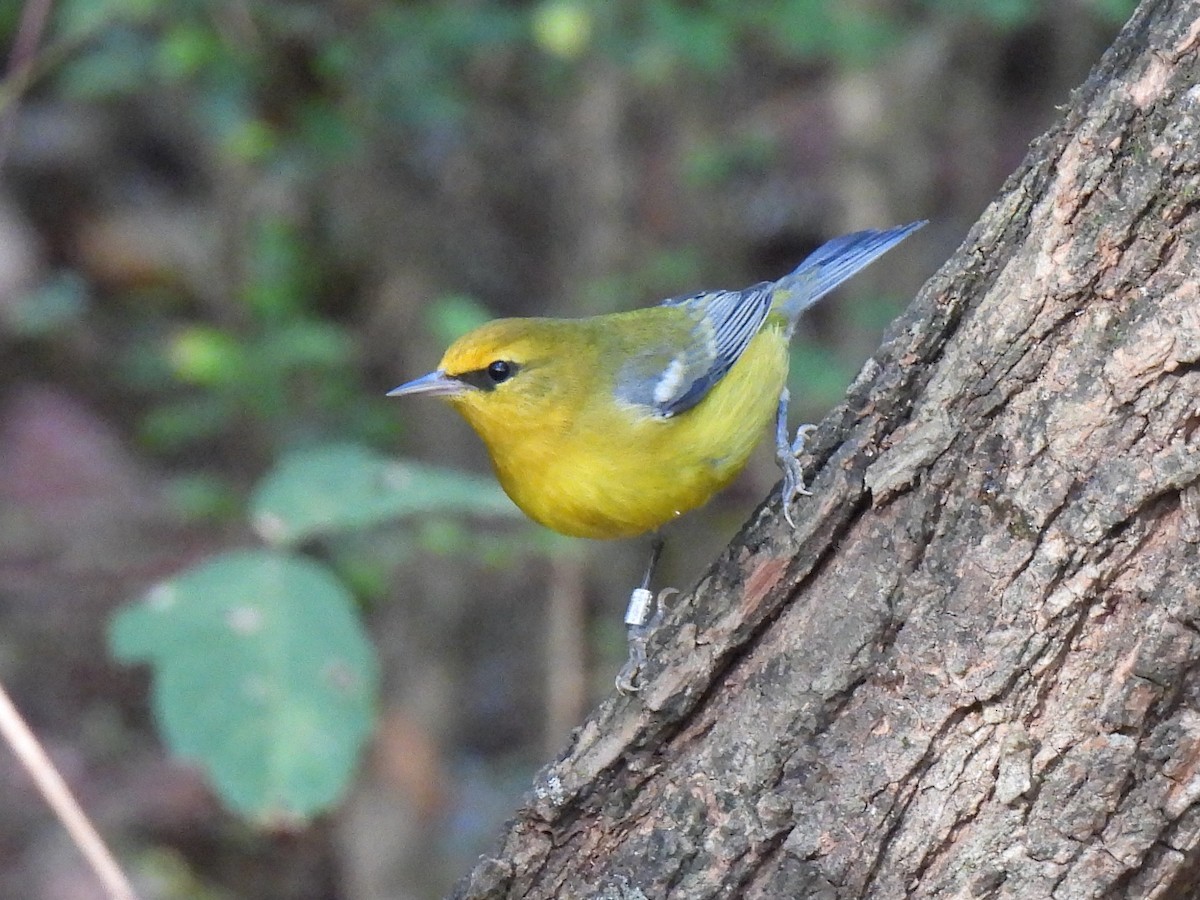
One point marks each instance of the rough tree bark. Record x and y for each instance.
(974, 670)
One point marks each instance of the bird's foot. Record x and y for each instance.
(793, 474)
(785, 454)
(642, 618)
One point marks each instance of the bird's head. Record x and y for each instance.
(507, 374)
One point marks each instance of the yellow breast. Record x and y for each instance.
(594, 468)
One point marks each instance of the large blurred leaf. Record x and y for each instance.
(262, 675)
(340, 487)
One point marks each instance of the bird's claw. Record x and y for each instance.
(628, 681)
(644, 615)
(801, 438)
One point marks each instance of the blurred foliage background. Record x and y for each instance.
(227, 227)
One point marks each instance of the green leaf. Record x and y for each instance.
(205, 355)
(562, 28)
(305, 343)
(185, 48)
(339, 487)
(262, 675)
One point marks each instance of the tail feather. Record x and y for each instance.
(831, 264)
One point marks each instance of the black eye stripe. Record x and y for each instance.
(489, 376)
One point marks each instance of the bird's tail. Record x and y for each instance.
(831, 264)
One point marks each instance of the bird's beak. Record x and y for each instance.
(435, 384)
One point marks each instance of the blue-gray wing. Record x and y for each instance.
(671, 379)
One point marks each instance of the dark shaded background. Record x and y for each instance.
(226, 229)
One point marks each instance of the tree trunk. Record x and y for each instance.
(972, 671)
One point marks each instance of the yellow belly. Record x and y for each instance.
(615, 472)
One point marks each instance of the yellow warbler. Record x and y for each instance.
(610, 426)
(613, 425)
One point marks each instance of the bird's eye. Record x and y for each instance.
(500, 371)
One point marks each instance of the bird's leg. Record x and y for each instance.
(641, 618)
(786, 453)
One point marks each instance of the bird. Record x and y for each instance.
(611, 426)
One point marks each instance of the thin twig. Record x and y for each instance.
(56, 793)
